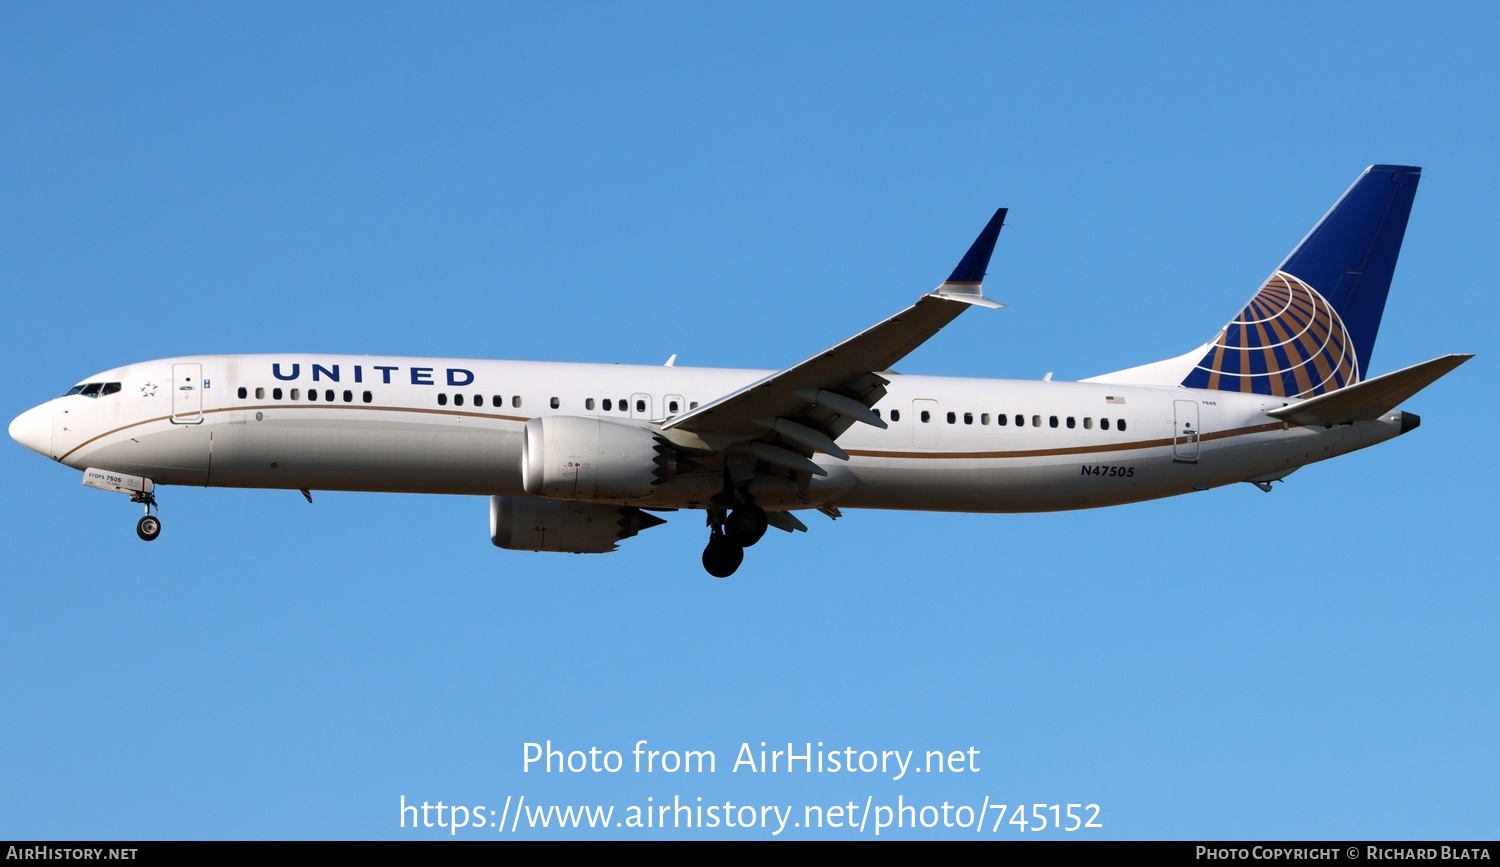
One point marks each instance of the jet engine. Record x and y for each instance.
(570, 458)
(526, 524)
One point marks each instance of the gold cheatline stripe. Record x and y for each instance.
(266, 406)
(1071, 450)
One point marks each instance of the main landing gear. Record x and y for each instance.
(730, 534)
(148, 527)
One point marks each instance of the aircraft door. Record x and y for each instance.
(1185, 432)
(187, 393)
(924, 424)
(640, 406)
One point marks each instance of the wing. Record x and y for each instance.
(786, 416)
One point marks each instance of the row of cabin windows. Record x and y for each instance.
(608, 405)
(623, 405)
(94, 389)
(328, 395)
(1002, 420)
(496, 400)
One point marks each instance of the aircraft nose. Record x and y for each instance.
(33, 429)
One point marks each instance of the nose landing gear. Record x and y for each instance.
(149, 526)
(141, 491)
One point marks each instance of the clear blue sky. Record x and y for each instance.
(741, 186)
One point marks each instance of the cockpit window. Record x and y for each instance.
(92, 389)
(74, 390)
(110, 388)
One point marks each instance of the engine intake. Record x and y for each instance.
(571, 458)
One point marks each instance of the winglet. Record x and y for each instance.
(964, 283)
(971, 268)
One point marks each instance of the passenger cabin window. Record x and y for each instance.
(497, 401)
(328, 395)
(1036, 421)
(260, 394)
(1052, 421)
(276, 394)
(1088, 422)
(1071, 423)
(968, 418)
(640, 406)
(693, 405)
(926, 416)
(952, 418)
(1104, 423)
(588, 404)
(984, 418)
(458, 400)
(608, 404)
(1122, 424)
(367, 397)
(555, 403)
(442, 399)
(296, 394)
(895, 415)
(348, 396)
(672, 407)
(516, 401)
(312, 394)
(1002, 419)
(243, 393)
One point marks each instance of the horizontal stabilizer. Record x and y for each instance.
(1370, 399)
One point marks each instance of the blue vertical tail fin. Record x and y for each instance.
(1311, 328)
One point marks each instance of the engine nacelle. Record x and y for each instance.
(570, 458)
(526, 524)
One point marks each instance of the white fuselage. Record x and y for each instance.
(454, 426)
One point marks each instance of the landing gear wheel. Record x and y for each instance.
(722, 556)
(148, 528)
(746, 525)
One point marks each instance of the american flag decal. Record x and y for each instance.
(1112, 399)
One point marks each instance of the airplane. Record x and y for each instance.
(578, 457)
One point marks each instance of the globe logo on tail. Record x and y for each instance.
(1288, 341)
